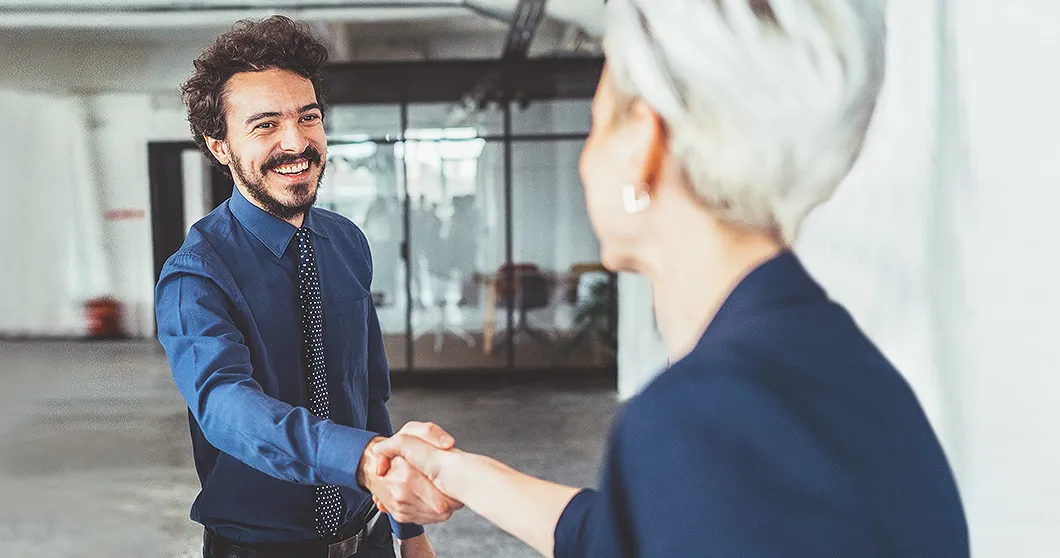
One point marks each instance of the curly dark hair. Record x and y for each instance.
(250, 46)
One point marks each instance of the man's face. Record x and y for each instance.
(275, 146)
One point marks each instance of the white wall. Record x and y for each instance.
(112, 84)
(82, 156)
(123, 124)
(1006, 64)
(52, 227)
(641, 353)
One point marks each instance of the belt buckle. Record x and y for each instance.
(346, 548)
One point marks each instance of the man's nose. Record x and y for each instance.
(292, 139)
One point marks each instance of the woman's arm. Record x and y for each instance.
(524, 506)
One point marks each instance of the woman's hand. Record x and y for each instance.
(418, 448)
(526, 507)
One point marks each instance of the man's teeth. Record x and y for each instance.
(293, 169)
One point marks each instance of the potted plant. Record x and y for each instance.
(596, 321)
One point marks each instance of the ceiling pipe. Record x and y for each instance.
(191, 6)
(522, 27)
(152, 16)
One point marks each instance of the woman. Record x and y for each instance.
(779, 429)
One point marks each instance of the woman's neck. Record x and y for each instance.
(694, 270)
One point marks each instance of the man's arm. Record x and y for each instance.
(211, 368)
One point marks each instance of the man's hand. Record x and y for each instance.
(402, 491)
(417, 547)
(421, 455)
(408, 449)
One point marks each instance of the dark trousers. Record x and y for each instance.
(378, 544)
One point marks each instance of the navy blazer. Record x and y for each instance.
(784, 432)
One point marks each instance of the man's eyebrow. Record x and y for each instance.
(261, 115)
(271, 114)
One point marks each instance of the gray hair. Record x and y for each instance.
(767, 102)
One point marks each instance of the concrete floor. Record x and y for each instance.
(95, 458)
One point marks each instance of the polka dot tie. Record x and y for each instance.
(329, 505)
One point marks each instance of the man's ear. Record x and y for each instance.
(219, 148)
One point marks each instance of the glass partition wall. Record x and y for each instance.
(484, 258)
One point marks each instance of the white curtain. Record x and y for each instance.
(51, 252)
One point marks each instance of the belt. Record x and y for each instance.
(344, 545)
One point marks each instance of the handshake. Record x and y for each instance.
(407, 474)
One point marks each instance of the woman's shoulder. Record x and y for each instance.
(788, 365)
(695, 388)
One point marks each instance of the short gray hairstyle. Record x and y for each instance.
(767, 102)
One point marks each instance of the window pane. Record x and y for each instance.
(456, 193)
(362, 183)
(563, 304)
(487, 121)
(363, 122)
(562, 116)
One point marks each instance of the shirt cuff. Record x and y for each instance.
(339, 454)
(405, 531)
(570, 529)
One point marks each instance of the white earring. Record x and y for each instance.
(634, 202)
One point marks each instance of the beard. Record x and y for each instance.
(304, 193)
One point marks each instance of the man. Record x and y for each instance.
(269, 328)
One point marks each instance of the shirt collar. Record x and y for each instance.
(273, 232)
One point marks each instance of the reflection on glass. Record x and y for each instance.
(348, 123)
(362, 183)
(449, 177)
(561, 298)
(560, 116)
(485, 121)
(456, 194)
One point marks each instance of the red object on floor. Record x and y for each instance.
(103, 317)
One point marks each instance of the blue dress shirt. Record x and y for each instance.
(228, 314)
(784, 432)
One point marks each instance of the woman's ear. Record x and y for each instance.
(653, 136)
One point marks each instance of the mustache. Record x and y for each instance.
(278, 160)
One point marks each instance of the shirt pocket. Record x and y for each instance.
(347, 332)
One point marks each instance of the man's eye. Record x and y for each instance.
(264, 125)
(310, 117)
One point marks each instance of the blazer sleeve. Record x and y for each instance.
(714, 465)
